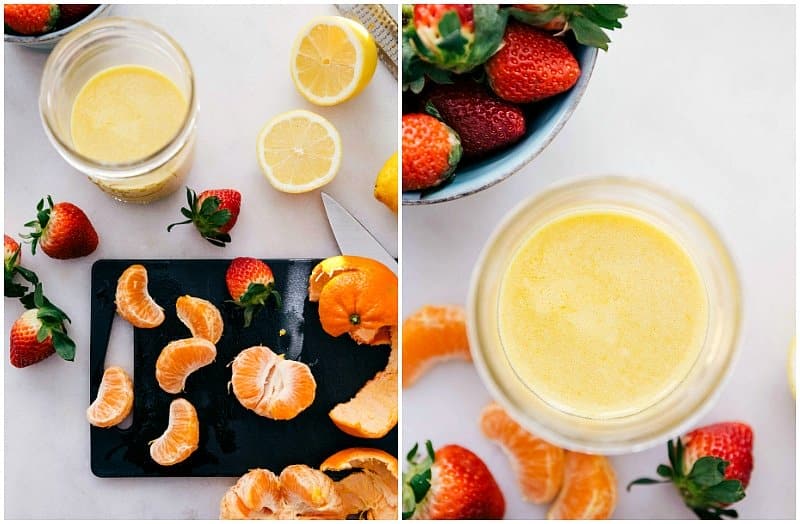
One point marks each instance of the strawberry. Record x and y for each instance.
(40, 332)
(214, 213)
(711, 468)
(451, 483)
(586, 21)
(30, 19)
(12, 256)
(532, 65)
(484, 123)
(431, 151)
(62, 230)
(71, 13)
(250, 283)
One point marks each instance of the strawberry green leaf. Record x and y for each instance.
(598, 19)
(645, 481)
(708, 471)
(43, 333)
(64, 346)
(611, 11)
(532, 18)
(726, 492)
(665, 471)
(420, 484)
(413, 453)
(28, 275)
(588, 33)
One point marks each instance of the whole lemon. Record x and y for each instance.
(386, 183)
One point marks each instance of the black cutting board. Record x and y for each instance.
(232, 438)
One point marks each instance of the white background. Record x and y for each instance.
(697, 99)
(241, 61)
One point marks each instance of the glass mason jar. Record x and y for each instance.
(677, 409)
(95, 47)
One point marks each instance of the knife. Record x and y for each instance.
(352, 237)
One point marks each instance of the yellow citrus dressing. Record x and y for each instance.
(601, 313)
(126, 113)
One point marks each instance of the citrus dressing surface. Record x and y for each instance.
(126, 113)
(601, 314)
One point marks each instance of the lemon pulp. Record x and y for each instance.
(601, 314)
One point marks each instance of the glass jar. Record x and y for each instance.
(95, 47)
(678, 409)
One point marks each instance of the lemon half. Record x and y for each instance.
(333, 59)
(299, 151)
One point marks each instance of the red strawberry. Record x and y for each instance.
(30, 19)
(39, 332)
(213, 213)
(452, 483)
(431, 151)
(62, 230)
(711, 468)
(532, 65)
(12, 255)
(71, 13)
(250, 283)
(484, 123)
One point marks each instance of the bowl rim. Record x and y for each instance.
(578, 91)
(51, 37)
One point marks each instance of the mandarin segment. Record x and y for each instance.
(589, 491)
(371, 490)
(181, 358)
(256, 495)
(270, 385)
(309, 492)
(538, 465)
(114, 399)
(372, 412)
(430, 335)
(201, 317)
(134, 303)
(182, 436)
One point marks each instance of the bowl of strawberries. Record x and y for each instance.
(41, 26)
(487, 87)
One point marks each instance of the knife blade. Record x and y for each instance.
(351, 235)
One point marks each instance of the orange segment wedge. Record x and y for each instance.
(201, 317)
(181, 358)
(589, 491)
(270, 385)
(371, 491)
(430, 335)
(372, 412)
(539, 465)
(182, 436)
(114, 399)
(134, 303)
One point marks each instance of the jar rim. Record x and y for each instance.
(117, 170)
(620, 435)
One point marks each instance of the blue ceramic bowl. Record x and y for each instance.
(48, 41)
(545, 120)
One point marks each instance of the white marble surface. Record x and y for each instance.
(240, 55)
(702, 101)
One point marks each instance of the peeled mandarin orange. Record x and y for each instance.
(308, 493)
(181, 358)
(371, 491)
(270, 385)
(182, 436)
(300, 492)
(433, 334)
(256, 495)
(539, 465)
(372, 412)
(589, 491)
(114, 399)
(134, 303)
(201, 317)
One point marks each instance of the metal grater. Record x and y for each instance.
(381, 25)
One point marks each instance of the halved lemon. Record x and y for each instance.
(299, 151)
(333, 59)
